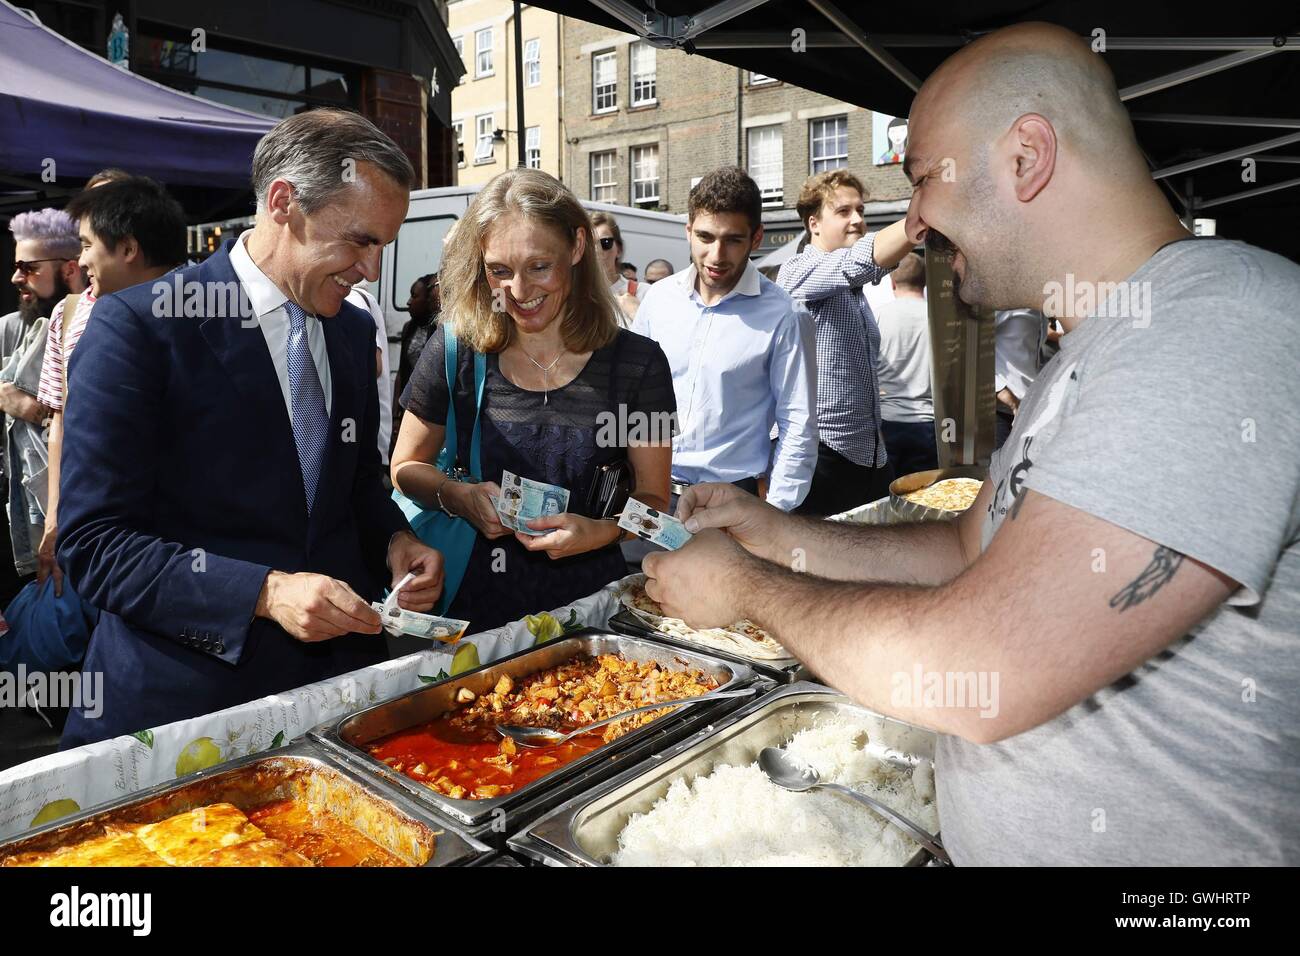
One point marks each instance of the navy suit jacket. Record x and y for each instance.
(181, 489)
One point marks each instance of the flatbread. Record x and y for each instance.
(743, 638)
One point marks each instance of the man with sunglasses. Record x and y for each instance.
(45, 271)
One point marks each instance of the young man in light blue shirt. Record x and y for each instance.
(743, 357)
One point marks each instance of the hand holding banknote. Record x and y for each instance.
(416, 570)
(568, 534)
(473, 502)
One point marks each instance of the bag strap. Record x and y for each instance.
(447, 457)
(451, 440)
(69, 312)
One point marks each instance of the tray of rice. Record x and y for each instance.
(706, 802)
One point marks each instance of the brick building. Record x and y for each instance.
(643, 124)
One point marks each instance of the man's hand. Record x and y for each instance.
(753, 523)
(570, 534)
(46, 566)
(1008, 398)
(408, 553)
(703, 581)
(315, 607)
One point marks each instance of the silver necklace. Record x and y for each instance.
(546, 372)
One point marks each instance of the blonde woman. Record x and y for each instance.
(627, 293)
(522, 284)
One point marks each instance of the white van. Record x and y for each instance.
(417, 250)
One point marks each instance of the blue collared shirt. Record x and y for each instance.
(829, 285)
(739, 367)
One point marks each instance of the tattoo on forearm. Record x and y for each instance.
(1164, 565)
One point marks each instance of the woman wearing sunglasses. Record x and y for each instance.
(627, 293)
(564, 389)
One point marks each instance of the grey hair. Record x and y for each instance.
(54, 229)
(314, 149)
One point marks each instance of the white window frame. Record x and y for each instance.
(533, 62)
(840, 160)
(533, 147)
(636, 156)
(772, 195)
(639, 81)
(459, 127)
(760, 79)
(482, 50)
(611, 57)
(481, 157)
(611, 166)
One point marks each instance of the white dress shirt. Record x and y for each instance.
(1017, 340)
(363, 299)
(739, 366)
(268, 303)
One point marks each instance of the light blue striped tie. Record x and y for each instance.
(311, 424)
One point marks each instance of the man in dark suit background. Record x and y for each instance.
(222, 501)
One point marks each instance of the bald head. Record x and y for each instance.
(1033, 68)
(1024, 163)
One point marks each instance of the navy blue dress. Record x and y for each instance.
(551, 439)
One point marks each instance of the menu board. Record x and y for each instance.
(962, 385)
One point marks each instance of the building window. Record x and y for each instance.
(760, 79)
(830, 143)
(533, 63)
(603, 181)
(459, 127)
(604, 82)
(643, 74)
(765, 164)
(533, 147)
(483, 53)
(645, 175)
(484, 148)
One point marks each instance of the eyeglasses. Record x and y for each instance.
(607, 243)
(28, 266)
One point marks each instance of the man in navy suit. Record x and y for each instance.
(221, 495)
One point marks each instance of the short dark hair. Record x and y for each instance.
(727, 189)
(138, 207)
(910, 273)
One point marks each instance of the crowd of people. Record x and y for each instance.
(211, 490)
(773, 386)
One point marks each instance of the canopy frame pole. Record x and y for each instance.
(663, 30)
(1247, 194)
(1191, 119)
(1178, 77)
(1238, 153)
(851, 30)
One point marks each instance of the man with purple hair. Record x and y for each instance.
(45, 272)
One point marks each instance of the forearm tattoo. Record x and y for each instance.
(1164, 565)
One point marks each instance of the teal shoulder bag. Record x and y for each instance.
(453, 537)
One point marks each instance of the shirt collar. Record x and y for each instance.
(264, 294)
(748, 284)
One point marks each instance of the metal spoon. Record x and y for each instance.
(546, 737)
(785, 771)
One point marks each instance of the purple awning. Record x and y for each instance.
(57, 101)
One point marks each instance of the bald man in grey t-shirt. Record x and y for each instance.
(1108, 640)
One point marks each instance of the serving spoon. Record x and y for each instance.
(787, 772)
(546, 737)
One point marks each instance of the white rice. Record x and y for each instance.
(736, 816)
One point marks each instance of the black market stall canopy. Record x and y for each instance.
(1206, 91)
(66, 113)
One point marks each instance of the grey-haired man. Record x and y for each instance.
(222, 485)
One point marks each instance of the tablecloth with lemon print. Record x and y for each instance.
(54, 786)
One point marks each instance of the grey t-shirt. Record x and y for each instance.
(1183, 431)
(903, 367)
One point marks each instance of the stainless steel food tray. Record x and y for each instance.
(784, 670)
(303, 768)
(910, 510)
(492, 820)
(583, 831)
